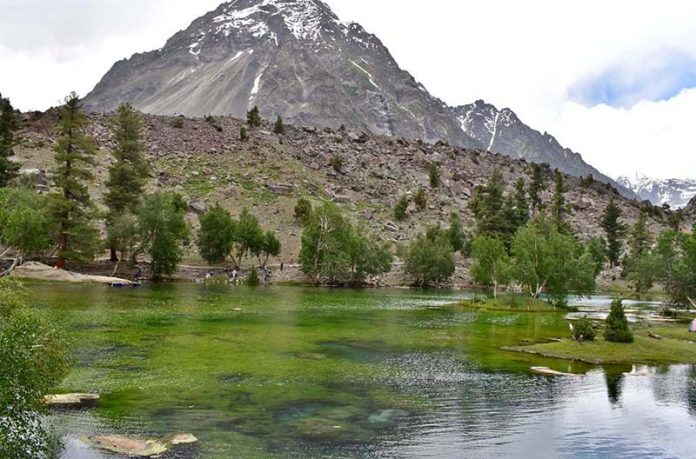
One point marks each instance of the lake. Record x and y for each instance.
(303, 372)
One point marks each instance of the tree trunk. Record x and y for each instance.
(495, 290)
(62, 246)
(118, 263)
(693, 303)
(114, 255)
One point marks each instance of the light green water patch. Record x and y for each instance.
(271, 370)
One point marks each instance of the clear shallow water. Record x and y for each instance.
(292, 372)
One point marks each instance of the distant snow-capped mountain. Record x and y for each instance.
(675, 192)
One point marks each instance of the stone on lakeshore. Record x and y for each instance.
(70, 399)
(127, 446)
(182, 439)
(549, 372)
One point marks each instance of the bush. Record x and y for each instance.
(401, 208)
(177, 122)
(617, 330)
(420, 199)
(583, 330)
(253, 279)
(243, 134)
(303, 211)
(434, 174)
(337, 163)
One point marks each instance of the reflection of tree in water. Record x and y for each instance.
(691, 393)
(614, 378)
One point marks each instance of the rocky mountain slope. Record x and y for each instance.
(501, 131)
(675, 192)
(295, 58)
(208, 163)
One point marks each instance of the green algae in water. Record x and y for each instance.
(298, 372)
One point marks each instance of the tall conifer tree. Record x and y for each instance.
(8, 128)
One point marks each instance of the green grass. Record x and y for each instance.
(515, 303)
(676, 347)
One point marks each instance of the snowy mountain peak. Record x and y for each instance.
(675, 192)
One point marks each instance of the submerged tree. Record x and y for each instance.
(75, 151)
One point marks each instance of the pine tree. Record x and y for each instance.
(536, 188)
(520, 208)
(128, 174)
(75, 153)
(8, 128)
(434, 175)
(279, 127)
(617, 330)
(254, 117)
(559, 208)
(614, 231)
(641, 240)
(492, 211)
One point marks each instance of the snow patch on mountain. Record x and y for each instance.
(675, 192)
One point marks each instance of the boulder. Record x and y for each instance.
(68, 400)
(127, 446)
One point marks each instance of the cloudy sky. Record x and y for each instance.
(613, 80)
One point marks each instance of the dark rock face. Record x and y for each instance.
(290, 57)
(675, 192)
(501, 131)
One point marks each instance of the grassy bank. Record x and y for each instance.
(675, 347)
(515, 303)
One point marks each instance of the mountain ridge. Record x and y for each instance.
(296, 59)
(677, 193)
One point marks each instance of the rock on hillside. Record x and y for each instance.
(269, 173)
(501, 131)
(293, 58)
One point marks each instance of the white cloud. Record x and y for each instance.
(524, 55)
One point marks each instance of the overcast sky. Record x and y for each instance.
(613, 80)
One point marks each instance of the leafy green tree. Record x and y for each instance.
(537, 187)
(216, 235)
(8, 129)
(123, 237)
(322, 255)
(303, 210)
(248, 239)
(668, 258)
(430, 261)
(72, 209)
(617, 330)
(254, 117)
(559, 207)
(547, 260)
(614, 230)
(420, 199)
(492, 266)
(24, 223)
(279, 127)
(128, 174)
(163, 230)
(336, 252)
(455, 232)
(367, 256)
(401, 208)
(33, 360)
(271, 247)
(434, 175)
(597, 249)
